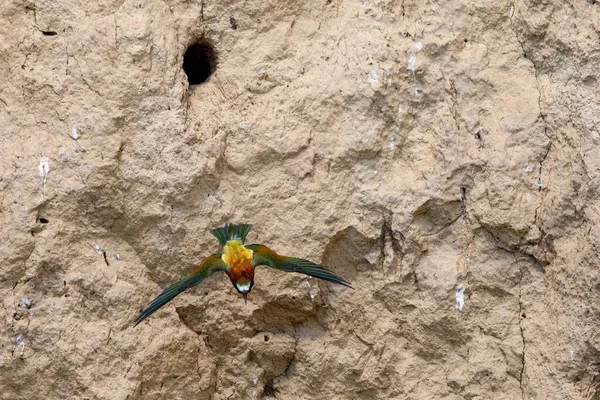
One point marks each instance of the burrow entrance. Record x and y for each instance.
(199, 62)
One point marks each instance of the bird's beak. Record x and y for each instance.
(245, 294)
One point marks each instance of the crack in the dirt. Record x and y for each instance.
(116, 28)
(396, 243)
(463, 200)
(535, 219)
(539, 89)
(202, 17)
(542, 116)
(521, 317)
(454, 106)
(386, 230)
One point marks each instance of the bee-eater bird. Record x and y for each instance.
(238, 261)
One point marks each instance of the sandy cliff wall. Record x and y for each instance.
(345, 131)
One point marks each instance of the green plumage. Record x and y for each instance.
(265, 256)
(231, 232)
(211, 265)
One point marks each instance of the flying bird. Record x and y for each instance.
(238, 261)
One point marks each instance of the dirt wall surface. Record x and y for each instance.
(442, 156)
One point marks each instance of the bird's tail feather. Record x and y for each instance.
(231, 232)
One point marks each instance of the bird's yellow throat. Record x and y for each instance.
(234, 253)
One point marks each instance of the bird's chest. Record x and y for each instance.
(237, 256)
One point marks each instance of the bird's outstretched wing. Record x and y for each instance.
(264, 256)
(211, 265)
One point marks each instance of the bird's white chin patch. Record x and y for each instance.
(243, 288)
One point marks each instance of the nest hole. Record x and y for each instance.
(199, 62)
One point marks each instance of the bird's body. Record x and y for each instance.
(238, 261)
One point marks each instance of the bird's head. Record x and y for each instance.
(243, 287)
